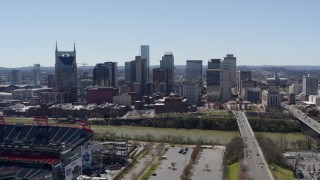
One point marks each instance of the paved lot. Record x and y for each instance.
(309, 164)
(213, 158)
(180, 160)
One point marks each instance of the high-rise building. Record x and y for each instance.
(243, 76)
(105, 74)
(134, 73)
(191, 92)
(51, 80)
(232, 61)
(309, 85)
(145, 57)
(140, 76)
(66, 74)
(213, 72)
(160, 79)
(15, 77)
(194, 71)
(36, 74)
(213, 79)
(168, 63)
(295, 88)
(130, 72)
(226, 82)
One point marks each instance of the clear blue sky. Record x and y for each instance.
(270, 32)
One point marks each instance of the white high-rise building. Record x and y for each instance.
(36, 74)
(232, 61)
(295, 88)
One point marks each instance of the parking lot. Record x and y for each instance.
(209, 164)
(308, 166)
(172, 157)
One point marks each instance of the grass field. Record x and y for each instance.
(288, 136)
(283, 174)
(222, 137)
(234, 170)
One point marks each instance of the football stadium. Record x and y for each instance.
(43, 151)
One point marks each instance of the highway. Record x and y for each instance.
(258, 168)
(313, 124)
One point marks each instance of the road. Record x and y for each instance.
(258, 168)
(313, 124)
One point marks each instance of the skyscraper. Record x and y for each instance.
(213, 79)
(309, 85)
(168, 63)
(36, 74)
(160, 79)
(213, 72)
(226, 81)
(66, 74)
(194, 71)
(15, 77)
(232, 61)
(105, 74)
(145, 56)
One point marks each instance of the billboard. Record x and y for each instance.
(86, 155)
(73, 169)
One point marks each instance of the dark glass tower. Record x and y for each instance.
(66, 74)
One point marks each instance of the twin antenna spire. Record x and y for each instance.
(74, 46)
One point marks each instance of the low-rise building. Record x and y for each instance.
(271, 98)
(251, 94)
(100, 95)
(123, 99)
(171, 104)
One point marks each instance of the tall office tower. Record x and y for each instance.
(226, 81)
(213, 79)
(140, 76)
(309, 85)
(15, 76)
(232, 61)
(168, 63)
(105, 74)
(130, 71)
(194, 71)
(51, 81)
(66, 74)
(243, 76)
(36, 74)
(160, 79)
(145, 56)
(127, 72)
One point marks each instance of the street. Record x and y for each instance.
(258, 168)
(313, 124)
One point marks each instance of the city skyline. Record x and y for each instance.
(258, 33)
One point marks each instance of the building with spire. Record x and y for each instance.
(66, 74)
